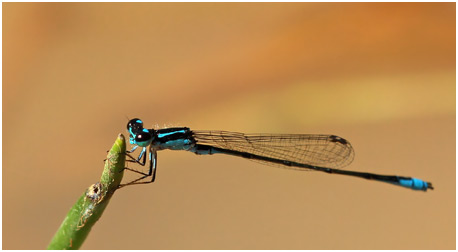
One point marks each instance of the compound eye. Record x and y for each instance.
(143, 138)
(134, 125)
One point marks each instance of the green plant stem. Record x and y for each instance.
(90, 206)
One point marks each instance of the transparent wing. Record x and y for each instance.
(318, 150)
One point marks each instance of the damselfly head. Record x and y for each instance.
(143, 138)
(134, 125)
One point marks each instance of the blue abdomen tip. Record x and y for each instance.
(415, 184)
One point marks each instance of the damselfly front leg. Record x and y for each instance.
(152, 165)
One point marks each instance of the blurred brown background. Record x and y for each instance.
(379, 74)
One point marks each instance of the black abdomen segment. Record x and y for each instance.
(412, 183)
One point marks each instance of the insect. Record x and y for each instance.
(325, 153)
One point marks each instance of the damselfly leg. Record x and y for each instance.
(152, 157)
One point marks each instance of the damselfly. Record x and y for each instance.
(325, 153)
